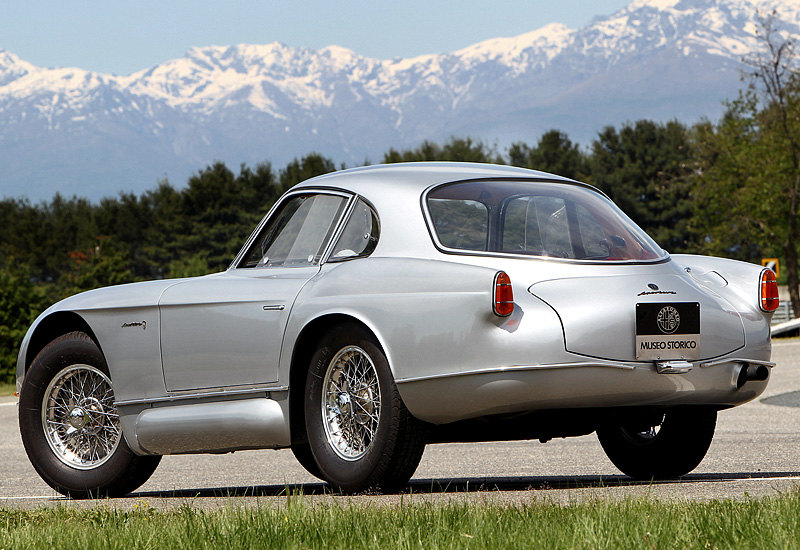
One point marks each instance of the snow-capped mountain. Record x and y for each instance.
(94, 134)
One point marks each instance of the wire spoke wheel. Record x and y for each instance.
(70, 425)
(79, 418)
(351, 403)
(360, 434)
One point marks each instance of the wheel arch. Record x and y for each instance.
(51, 327)
(304, 348)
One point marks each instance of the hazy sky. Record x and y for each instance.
(122, 37)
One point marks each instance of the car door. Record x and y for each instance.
(226, 329)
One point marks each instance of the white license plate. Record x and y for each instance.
(667, 331)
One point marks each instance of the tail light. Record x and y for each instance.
(503, 294)
(769, 291)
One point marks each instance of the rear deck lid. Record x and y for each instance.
(599, 317)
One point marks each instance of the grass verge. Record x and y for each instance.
(772, 522)
(7, 389)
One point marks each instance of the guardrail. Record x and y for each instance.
(783, 313)
(783, 320)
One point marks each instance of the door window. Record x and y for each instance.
(297, 233)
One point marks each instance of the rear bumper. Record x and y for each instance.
(592, 384)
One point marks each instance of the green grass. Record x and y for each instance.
(597, 524)
(7, 388)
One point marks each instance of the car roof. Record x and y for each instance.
(394, 190)
(418, 176)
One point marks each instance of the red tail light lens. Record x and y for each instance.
(769, 291)
(503, 294)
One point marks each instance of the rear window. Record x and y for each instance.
(556, 220)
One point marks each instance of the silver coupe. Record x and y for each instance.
(379, 309)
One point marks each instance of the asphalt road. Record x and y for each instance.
(756, 452)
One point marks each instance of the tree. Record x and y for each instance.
(776, 69)
(646, 169)
(104, 264)
(749, 163)
(161, 246)
(20, 302)
(21, 234)
(261, 185)
(299, 170)
(127, 218)
(455, 149)
(554, 153)
(218, 210)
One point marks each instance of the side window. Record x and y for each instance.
(460, 223)
(297, 233)
(360, 235)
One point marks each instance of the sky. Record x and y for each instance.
(122, 37)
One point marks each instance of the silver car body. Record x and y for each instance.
(214, 363)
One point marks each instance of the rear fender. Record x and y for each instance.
(739, 282)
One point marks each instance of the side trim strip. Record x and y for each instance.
(736, 360)
(200, 395)
(514, 368)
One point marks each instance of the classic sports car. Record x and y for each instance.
(378, 309)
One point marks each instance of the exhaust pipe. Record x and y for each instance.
(748, 372)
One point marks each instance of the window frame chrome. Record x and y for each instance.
(345, 215)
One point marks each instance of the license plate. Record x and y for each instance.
(666, 331)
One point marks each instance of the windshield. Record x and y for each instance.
(557, 220)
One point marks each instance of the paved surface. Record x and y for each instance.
(756, 452)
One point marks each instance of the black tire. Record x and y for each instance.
(362, 436)
(302, 452)
(660, 446)
(70, 425)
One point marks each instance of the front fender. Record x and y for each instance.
(103, 313)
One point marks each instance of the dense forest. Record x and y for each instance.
(729, 188)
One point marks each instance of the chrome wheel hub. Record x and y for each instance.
(351, 403)
(77, 418)
(80, 421)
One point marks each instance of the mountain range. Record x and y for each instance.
(91, 134)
